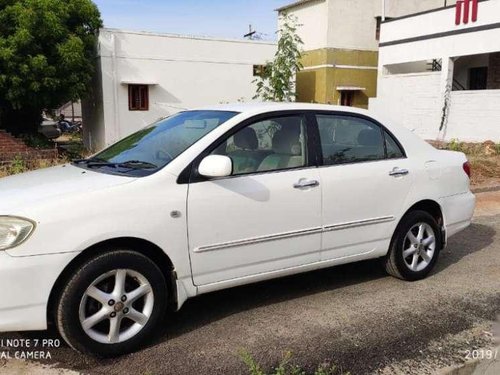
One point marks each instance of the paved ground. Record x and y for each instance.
(354, 316)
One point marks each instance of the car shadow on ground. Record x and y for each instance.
(211, 307)
(215, 306)
(473, 239)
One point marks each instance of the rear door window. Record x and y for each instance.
(346, 139)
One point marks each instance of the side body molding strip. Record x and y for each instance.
(297, 233)
(359, 223)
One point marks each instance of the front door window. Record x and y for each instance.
(264, 218)
(275, 144)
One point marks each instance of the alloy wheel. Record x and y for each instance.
(419, 247)
(116, 306)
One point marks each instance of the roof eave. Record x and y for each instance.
(295, 4)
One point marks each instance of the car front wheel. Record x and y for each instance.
(112, 303)
(415, 247)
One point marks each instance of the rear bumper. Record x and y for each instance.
(26, 283)
(458, 211)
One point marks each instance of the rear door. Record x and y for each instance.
(366, 178)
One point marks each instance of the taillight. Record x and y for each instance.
(467, 168)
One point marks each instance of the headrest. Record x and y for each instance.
(286, 142)
(369, 137)
(246, 139)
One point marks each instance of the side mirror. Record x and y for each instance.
(216, 166)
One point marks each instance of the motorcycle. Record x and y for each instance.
(66, 126)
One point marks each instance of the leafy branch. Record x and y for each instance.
(277, 82)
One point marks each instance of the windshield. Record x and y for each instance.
(153, 147)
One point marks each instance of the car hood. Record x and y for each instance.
(26, 189)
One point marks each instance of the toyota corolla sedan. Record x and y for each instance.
(215, 198)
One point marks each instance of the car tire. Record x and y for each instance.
(125, 294)
(415, 247)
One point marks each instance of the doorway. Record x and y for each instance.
(346, 98)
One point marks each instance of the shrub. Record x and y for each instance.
(455, 145)
(286, 368)
(20, 165)
(37, 141)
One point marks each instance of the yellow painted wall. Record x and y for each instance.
(352, 57)
(319, 83)
(311, 86)
(358, 78)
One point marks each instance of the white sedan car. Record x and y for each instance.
(214, 198)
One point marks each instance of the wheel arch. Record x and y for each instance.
(144, 247)
(434, 209)
(430, 206)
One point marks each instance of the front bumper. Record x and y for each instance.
(25, 286)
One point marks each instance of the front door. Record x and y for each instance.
(366, 179)
(265, 217)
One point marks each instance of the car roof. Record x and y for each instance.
(254, 108)
(264, 107)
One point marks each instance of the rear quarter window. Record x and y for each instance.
(394, 151)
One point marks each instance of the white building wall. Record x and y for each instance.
(184, 72)
(313, 20)
(474, 116)
(399, 8)
(420, 111)
(464, 107)
(439, 22)
(350, 24)
(353, 24)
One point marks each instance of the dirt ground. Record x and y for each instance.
(485, 171)
(488, 204)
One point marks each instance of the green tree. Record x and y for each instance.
(47, 57)
(277, 82)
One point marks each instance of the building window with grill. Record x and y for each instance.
(138, 97)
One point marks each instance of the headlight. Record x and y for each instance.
(13, 231)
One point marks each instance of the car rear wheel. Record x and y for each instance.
(112, 303)
(415, 247)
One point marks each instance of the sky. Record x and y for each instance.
(219, 18)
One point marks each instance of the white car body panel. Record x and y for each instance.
(76, 209)
(371, 199)
(26, 284)
(36, 187)
(261, 224)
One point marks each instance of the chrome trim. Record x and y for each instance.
(297, 233)
(359, 223)
(255, 240)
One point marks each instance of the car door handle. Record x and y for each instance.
(398, 172)
(303, 183)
